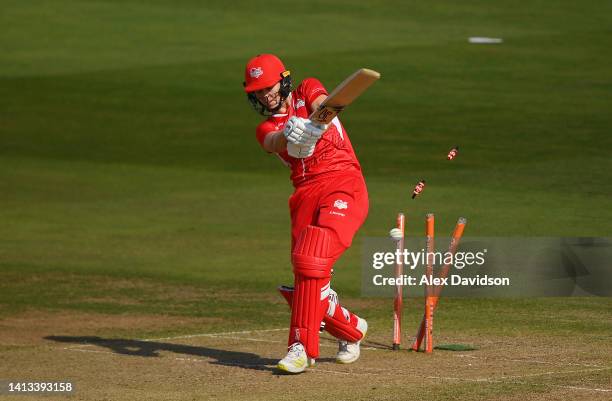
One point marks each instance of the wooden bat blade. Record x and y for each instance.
(344, 94)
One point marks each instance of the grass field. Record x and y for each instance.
(136, 204)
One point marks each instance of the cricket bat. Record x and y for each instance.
(343, 95)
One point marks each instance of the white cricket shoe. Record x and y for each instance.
(296, 360)
(349, 352)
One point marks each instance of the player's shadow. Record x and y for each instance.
(152, 348)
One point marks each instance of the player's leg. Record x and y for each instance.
(312, 264)
(343, 211)
(314, 252)
(338, 321)
(347, 327)
(302, 208)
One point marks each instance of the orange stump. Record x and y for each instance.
(435, 293)
(399, 271)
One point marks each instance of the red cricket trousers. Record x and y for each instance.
(338, 202)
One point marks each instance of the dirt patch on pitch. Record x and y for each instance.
(234, 365)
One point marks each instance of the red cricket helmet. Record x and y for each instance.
(262, 71)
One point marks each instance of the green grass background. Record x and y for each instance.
(127, 147)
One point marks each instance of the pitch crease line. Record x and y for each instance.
(584, 365)
(584, 388)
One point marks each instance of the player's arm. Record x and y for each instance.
(275, 142)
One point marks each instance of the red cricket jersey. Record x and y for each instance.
(333, 152)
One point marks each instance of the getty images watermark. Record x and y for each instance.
(490, 267)
(411, 260)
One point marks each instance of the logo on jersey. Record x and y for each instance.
(300, 103)
(256, 72)
(340, 204)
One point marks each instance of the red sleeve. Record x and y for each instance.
(312, 88)
(262, 130)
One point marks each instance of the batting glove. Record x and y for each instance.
(301, 131)
(314, 130)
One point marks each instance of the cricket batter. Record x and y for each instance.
(329, 204)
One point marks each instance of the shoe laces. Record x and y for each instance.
(342, 346)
